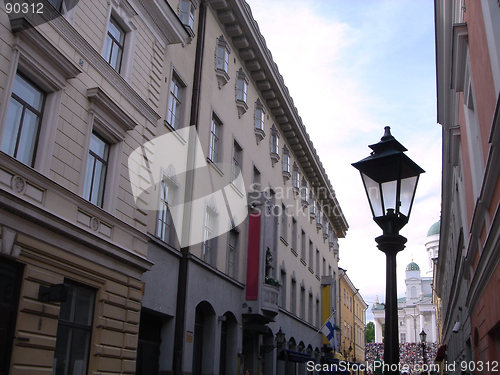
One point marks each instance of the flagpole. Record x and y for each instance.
(319, 330)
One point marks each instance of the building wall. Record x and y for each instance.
(54, 234)
(468, 114)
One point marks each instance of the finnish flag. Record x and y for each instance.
(329, 331)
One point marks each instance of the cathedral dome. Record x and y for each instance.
(412, 267)
(434, 229)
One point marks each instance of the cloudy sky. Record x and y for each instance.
(352, 68)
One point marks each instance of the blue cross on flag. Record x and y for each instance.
(329, 331)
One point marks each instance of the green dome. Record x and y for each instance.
(434, 229)
(412, 267)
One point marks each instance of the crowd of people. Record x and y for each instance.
(411, 355)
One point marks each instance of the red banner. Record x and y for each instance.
(252, 287)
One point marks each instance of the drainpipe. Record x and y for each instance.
(180, 311)
(354, 320)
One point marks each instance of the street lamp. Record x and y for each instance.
(390, 179)
(423, 336)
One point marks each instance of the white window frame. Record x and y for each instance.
(187, 16)
(123, 14)
(41, 62)
(237, 166)
(103, 161)
(108, 120)
(215, 141)
(232, 267)
(209, 245)
(241, 92)
(222, 62)
(164, 209)
(18, 129)
(179, 98)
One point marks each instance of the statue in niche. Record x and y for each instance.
(269, 263)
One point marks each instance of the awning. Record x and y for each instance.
(299, 357)
(441, 353)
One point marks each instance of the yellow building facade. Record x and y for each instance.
(352, 320)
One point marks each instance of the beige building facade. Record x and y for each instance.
(101, 276)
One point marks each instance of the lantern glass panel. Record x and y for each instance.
(373, 192)
(408, 186)
(389, 192)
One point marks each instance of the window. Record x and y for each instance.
(74, 330)
(256, 179)
(259, 116)
(293, 297)
(294, 234)
(311, 254)
(296, 176)
(317, 262)
(403, 337)
(274, 142)
(22, 125)
(318, 313)
(174, 104)
(318, 218)
(310, 315)
(58, 4)
(236, 164)
(302, 302)
(222, 55)
(208, 248)
(164, 228)
(213, 152)
(222, 61)
(232, 252)
(303, 190)
(97, 164)
(284, 222)
(324, 268)
(286, 161)
(187, 13)
(283, 289)
(303, 246)
(115, 43)
(312, 204)
(241, 86)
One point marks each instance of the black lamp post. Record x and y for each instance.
(423, 336)
(390, 179)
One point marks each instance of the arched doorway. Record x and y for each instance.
(228, 357)
(204, 330)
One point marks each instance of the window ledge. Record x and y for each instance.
(222, 77)
(274, 158)
(294, 252)
(310, 270)
(236, 189)
(284, 241)
(303, 262)
(286, 176)
(242, 107)
(219, 171)
(175, 132)
(260, 134)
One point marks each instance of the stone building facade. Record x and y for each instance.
(99, 101)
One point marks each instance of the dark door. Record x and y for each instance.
(10, 283)
(198, 342)
(148, 350)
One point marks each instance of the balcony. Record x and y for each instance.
(270, 298)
